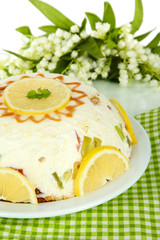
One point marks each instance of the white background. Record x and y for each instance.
(16, 13)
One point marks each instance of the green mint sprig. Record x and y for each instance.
(41, 93)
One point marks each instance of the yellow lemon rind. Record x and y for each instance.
(124, 115)
(87, 162)
(25, 182)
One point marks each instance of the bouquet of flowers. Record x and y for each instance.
(107, 52)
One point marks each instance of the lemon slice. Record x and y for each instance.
(15, 96)
(102, 164)
(15, 187)
(124, 115)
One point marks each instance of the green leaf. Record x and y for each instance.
(93, 19)
(28, 44)
(143, 36)
(108, 15)
(55, 16)
(138, 16)
(41, 93)
(22, 57)
(31, 94)
(83, 25)
(90, 45)
(110, 43)
(25, 30)
(61, 66)
(114, 71)
(154, 43)
(48, 29)
(156, 50)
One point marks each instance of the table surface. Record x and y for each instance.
(135, 99)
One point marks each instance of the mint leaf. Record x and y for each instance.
(45, 93)
(41, 93)
(53, 15)
(138, 16)
(108, 15)
(32, 94)
(93, 18)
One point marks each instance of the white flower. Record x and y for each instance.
(121, 44)
(74, 29)
(41, 70)
(121, 66)
(103, 27)
(114, 52)
(74, 67)
(59, 32)
(43, 63)
(66, 35)
(11, 68)
(93, 75)
(104, 74)
(3, 74)
(107, 52)
(48, 56)
(131, 54)
(74, 54)
(123, 81)
(51, 66)
(123, 74)
(55, 59)
(101, 30)
(94, 64)
(135, 70)
(57, 40)
(122, 54)
(51, 36)
(75, 38)
(98, 70)
(69, 43)
(65, 49)
(138, 77)
(17, 71)
(147, 78)
(131, 66)
(58, 53)
(126, 28)
(154, 83)
(133, 60)
(84, 34)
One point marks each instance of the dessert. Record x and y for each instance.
(47, 144)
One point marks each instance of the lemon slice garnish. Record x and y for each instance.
(101, 164)
(125, 117)
(15, 96)
(15, 187)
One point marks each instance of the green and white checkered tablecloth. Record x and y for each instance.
(135, 214)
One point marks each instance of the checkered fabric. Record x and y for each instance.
(135, 214)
